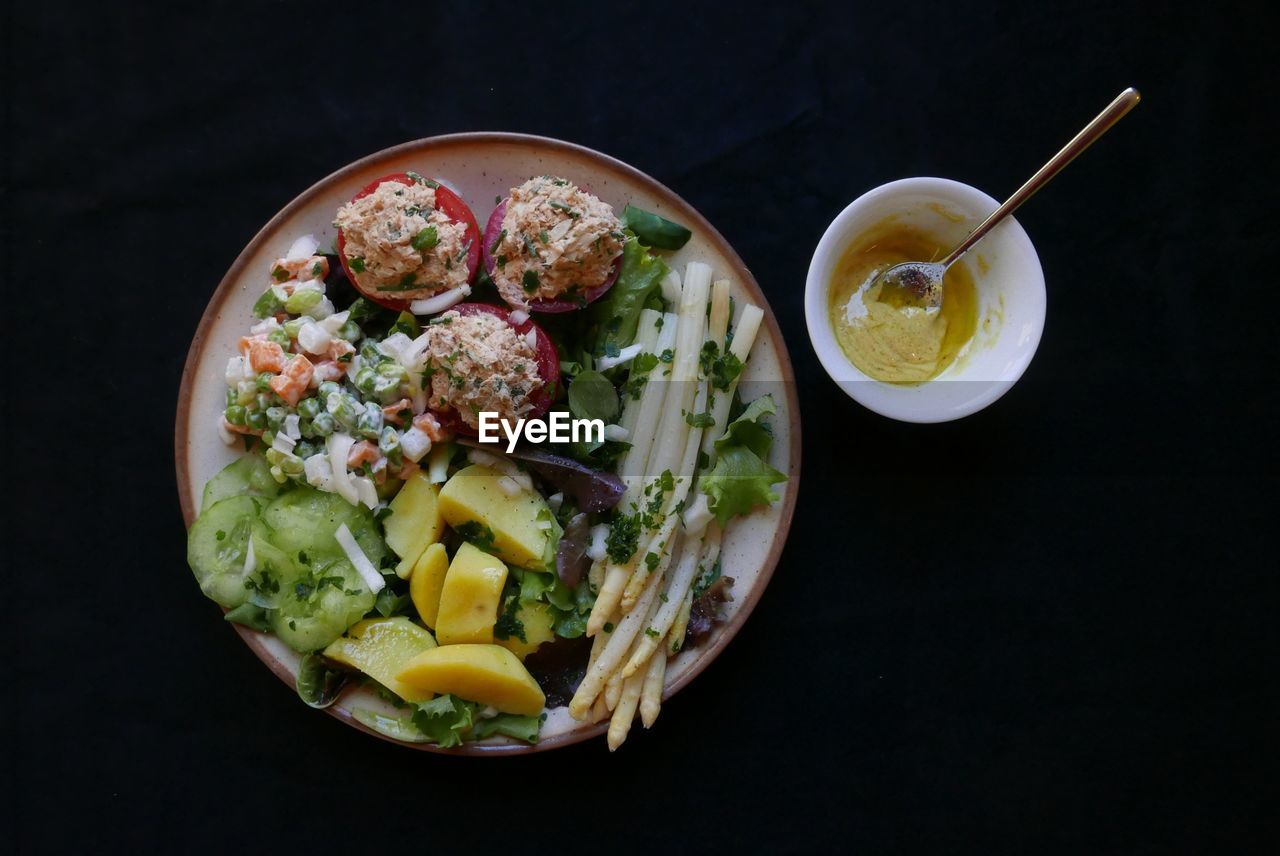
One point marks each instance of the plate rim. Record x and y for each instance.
(682, 209)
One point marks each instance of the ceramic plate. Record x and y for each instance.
(480, 167)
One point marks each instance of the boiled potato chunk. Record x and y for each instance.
(475, 504)
(470, 597)
(415, 521)
(381, 647)
(427, 581)
(486, 674)
(539, 625)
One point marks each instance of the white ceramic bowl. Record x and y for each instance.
(1011, 299)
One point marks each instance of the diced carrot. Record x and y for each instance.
(292, 383)
(315, 267)
(361, 453)
(392, 412)
(339, 348)
(428, 424)
(265, 356)
(406, 470)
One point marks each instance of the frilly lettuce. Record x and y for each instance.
(741, 480)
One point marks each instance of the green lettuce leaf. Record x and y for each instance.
(616, 315)
(446, 721)
(747, 430)
(741, 480)
(510, 725)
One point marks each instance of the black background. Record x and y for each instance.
(1050, 626)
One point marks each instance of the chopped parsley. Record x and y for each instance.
(426, 239)
(700, 420)
(475, 532)
(624, 537)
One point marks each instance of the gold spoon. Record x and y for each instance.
(924, 279)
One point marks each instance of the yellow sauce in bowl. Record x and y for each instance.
(888, 335)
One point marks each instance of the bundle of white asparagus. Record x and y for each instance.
(643, 601)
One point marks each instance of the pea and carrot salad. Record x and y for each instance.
(472, 587)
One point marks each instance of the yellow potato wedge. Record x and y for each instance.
(476, 505)
(486, 674)
(539, 626)
(427, 581)
(380, 647)
(470, 597)
(415, 521)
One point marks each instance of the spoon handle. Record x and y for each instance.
(1123, 103)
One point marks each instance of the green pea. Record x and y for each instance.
(235, 414)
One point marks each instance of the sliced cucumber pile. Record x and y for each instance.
(300, 582)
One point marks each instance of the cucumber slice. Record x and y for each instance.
(319, 604)
(247, 475)
(216, 548)
(304, 519)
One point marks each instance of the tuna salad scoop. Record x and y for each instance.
(397, 243)
(552, 243)
(478, 362)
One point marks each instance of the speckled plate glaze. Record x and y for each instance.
(480, 167)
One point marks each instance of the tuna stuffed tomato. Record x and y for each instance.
(551, 246)
(404, 239)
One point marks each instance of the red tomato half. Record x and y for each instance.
(450, 204)
(545, 353)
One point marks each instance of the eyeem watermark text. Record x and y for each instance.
(558, 427)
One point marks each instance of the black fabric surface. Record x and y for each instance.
(1049, 627)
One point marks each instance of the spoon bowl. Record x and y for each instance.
(924, 279)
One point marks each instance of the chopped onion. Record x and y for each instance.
(293, 426)
(519, 316)
(555, 501)
(313, 338)
(531, 339)
(318, 472)
(283, 443)
(250, 560)
(237, 370)
(323, 309)
(266, 325)
(303, 248)
(335, 322)
(366, 491)
(339, 446)
(438, 466)
(598, 551)
(414, 444)
(411, 356)
(440, 302)
(616, 432)
(626, 355)
(394, 345)
(484, 459)
(359, 560)
(543, 524)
